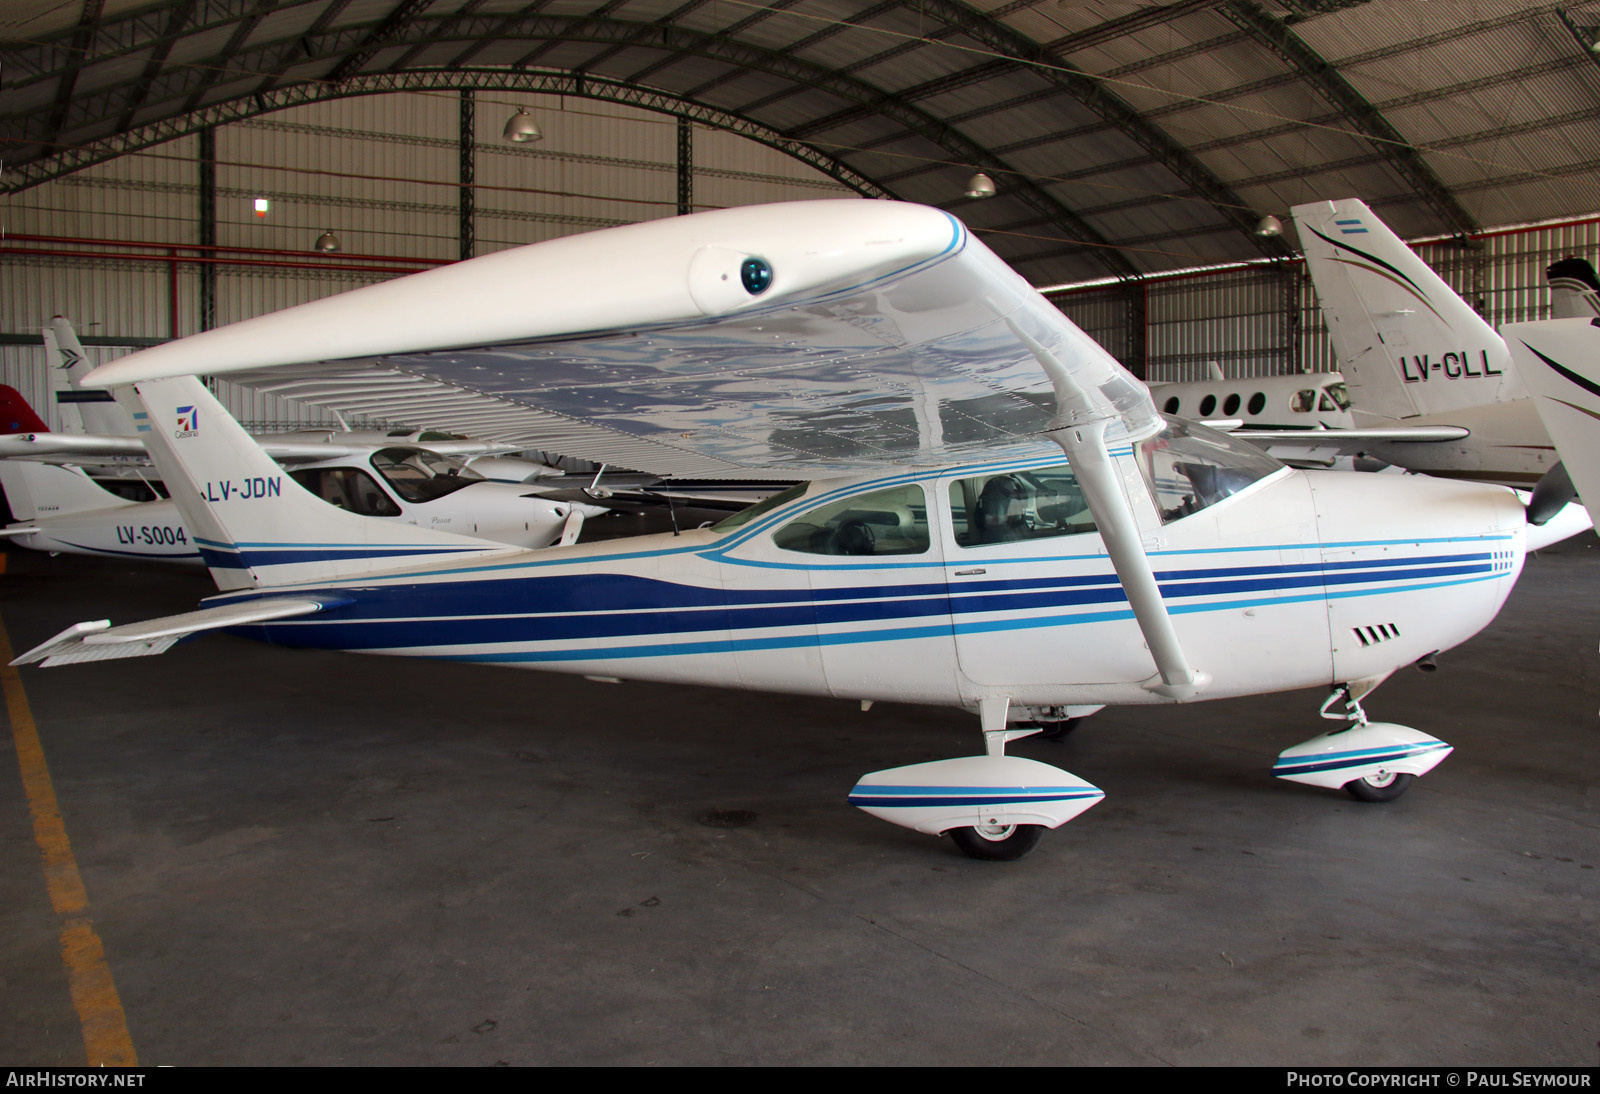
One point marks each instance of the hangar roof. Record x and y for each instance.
(1124, 138)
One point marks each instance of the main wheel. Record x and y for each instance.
(1378, 788)
(998, 842)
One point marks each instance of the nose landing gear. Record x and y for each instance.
(1370, 761)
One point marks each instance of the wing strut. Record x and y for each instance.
(1079, 428)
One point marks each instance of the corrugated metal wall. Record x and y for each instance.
(1264, 322)
(382, 172)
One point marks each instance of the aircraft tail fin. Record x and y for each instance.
(255, 526)
(17, 415)
(1559, 360)
(1574, 289)
(81, 409)
(36, 490)
(1407, 343)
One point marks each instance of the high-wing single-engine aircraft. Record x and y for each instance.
(996, 518)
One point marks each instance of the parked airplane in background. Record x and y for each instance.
(64, 511)
(942, 554)
(1559, 361)
(1301, 400)
(1574, 289)
(1414, 353)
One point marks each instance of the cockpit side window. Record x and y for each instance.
(1338, 393)
(1020, 505)
(884, 522)
(347, 488)
(420, 476)
(1304, 401)
(1190, 467)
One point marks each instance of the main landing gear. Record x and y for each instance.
(1371, 761)
(994, 806)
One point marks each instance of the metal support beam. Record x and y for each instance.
(685, 167)
(465, 232)
(1369, 122)
(208, 225)
(1137, 360)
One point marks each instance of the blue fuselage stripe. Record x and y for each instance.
(595, 608)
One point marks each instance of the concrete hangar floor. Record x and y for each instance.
(292, 857)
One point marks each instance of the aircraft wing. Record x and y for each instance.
(83, 447)
(70, 447)
(100, 641)
(1354, 438)
(806, 338)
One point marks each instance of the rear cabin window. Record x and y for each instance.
(1258, 403)
(1172, 405)
(1231, 406)
(884, 522)
(1021, 505)
(1207, 405)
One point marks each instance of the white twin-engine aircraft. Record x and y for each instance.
(941, 555)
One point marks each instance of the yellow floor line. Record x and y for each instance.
(94, 994)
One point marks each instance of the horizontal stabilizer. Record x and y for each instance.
(77, 446)
(1422, 434)
(100, 641)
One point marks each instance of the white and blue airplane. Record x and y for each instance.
(996, 516)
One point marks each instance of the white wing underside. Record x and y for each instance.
(889, 335)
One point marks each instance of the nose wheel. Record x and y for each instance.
(1384, 786)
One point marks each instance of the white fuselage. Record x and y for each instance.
(1302, 579)
(1304, 400)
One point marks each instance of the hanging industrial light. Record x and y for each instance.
(521, 128)
(980, 186)
(327, 243)
(1268, 226)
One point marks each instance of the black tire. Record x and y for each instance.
(998, 843)
(1385, 788)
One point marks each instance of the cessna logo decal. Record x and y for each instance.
(188, 422)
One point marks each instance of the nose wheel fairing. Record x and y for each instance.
(1373, 751)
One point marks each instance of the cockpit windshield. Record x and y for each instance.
(1190, 467)
(418, 475)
